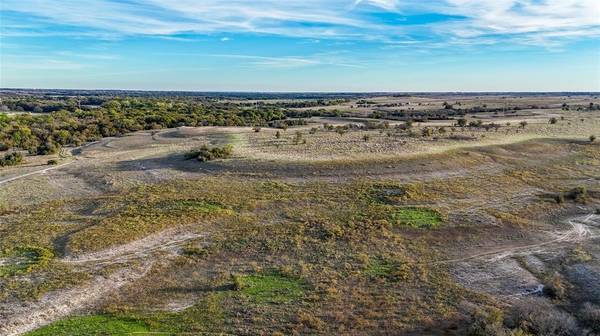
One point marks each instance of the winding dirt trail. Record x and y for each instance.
(134, 260)
(581, 229)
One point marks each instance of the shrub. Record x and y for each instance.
(538, 317)
(554, 287)
(592, 138)
(298, 137)
(553, 121)
(577, 194)
(208, 154)
(52, 162)
(256, 129)
(47, 148)
(486, 323)
(590, 316)
(11, 159)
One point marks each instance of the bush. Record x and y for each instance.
(554, 287)
(592, 138)
(298, 138)
(486, 323)
(538, 317)
(208, 154)
(11, 159)
(462, 122)
(590, 316)
(52, 162)
(577, 194)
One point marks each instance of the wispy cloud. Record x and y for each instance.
(337, 59)
(523, 21)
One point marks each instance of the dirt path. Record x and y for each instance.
(133, 260)
(19, 319)
(581, 229)
(35, 172)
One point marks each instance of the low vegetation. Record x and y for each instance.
(272, 287)
(22, 260)
(421, 218)
(206, 153)
(11, 159)
(93, 325)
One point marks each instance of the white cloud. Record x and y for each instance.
(530, 21)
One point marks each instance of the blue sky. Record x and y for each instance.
(310, 45)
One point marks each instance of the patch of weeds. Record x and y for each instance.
(391, 193)
(578, 194)
(194, 252)
(579, 255)
(379, 268)
(93, 325)
(421, 218)
(24, 260)
(383, 268)
(187, 205)
(272, 287)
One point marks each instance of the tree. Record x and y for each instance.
(278, 135)
(11, 159)
(592, 138)
(523, 124)
(298, 138)
(426, 132)
(553, 121)
(366, 137)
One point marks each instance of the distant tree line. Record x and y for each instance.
(73, 126)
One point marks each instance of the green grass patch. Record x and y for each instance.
(384, 268)
(421, 218)
(93, 325)
(379, 268)
(23, 260)
(269, 288)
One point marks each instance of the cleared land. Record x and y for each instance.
(344, 225)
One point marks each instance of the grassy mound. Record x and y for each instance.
(421, 218)
(269, 288)
(23, 260)
(94, 325)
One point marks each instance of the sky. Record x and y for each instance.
(308, 45)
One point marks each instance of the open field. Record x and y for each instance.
(343, 224)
